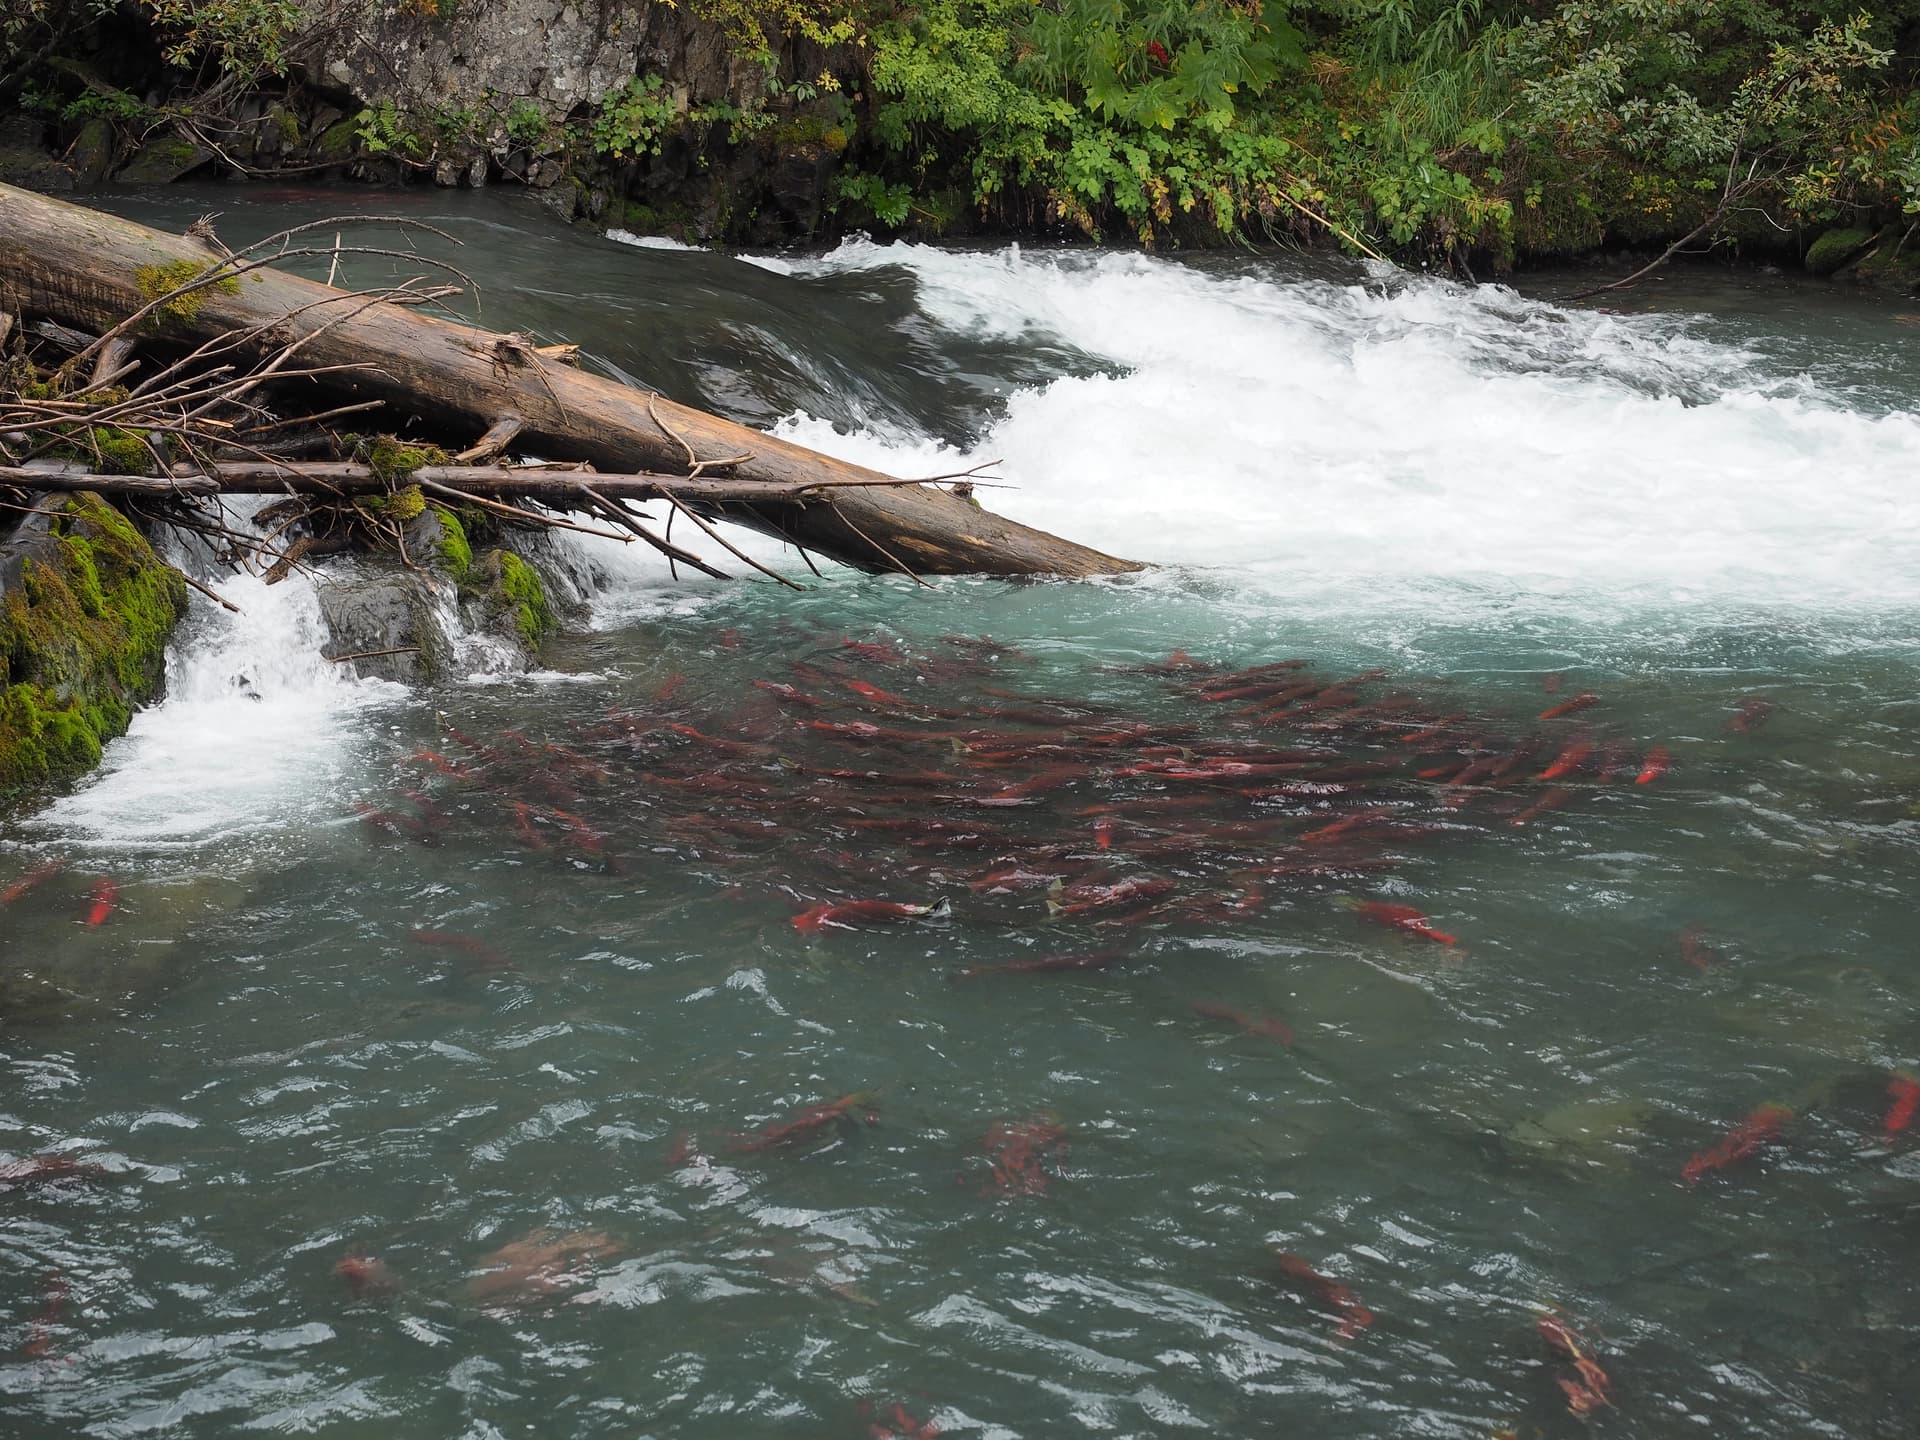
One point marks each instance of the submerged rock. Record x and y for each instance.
(1590, 1134)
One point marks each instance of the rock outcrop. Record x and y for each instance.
(86, 608)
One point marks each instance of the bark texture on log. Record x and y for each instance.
(82, 267)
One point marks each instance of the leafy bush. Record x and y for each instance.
(633, 118)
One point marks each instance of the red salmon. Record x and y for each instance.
(809, 1123)
(1354, 1317)
(1568, 707)
(875, 693)
(365, 1276)
(1403, 917)
(1695, 950)
(1745, 1139)
(849, 914)
(1904, 1091)
(1569, 760)
(106, 896)
(34, 878)
(1657, 763)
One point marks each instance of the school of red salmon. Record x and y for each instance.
(926, 790)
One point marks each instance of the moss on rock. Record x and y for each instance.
(456, 553)
(1833, 249)
(85, 612)
(526, 595)
(121, 452)
(513, 598)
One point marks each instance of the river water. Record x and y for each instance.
(452, 1063)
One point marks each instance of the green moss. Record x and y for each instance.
(1889, 267)
(1834, 249)
(121, 452)
(156, 281)
(337, 143)
(456, 554)
(393, 460)
(82, 641)
(402, 505)
(287, 124)
(83, 577)
(814, 129)
(526, 598)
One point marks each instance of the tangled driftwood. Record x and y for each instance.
(233, 377)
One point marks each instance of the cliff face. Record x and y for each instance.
(480, 90)
(629, 112)
(564, 57)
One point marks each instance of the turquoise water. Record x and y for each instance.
(545, 1137)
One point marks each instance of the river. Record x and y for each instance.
(443, 1064)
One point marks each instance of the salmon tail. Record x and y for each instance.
(941, 909)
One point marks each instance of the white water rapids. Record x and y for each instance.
(1391, 434)
(1399, 447)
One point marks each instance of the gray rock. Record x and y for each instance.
(368, 610)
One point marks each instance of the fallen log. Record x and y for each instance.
(344, 478)
(83, 268)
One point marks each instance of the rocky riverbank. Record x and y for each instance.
(767, 122)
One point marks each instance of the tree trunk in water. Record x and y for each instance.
(83, 268)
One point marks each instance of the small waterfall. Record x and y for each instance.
(256, 731)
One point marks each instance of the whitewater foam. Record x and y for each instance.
(257, 731)
(1357, 442)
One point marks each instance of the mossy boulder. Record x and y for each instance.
(1834, 249)
(85, 611)
(163, 160)
(513, 598)
(437, 537)
(336, 144)
(90, 155)
(25, 161)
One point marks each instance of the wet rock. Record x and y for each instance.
(509, 599)
(1889, 267)
(278, 135)
(368, 610)
(799, 180)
